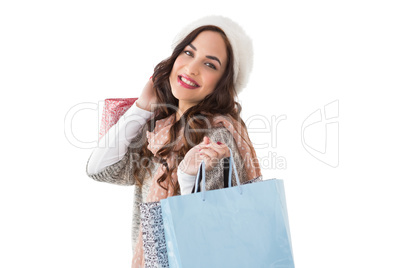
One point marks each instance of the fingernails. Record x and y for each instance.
(219, 143)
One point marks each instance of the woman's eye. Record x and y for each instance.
(211, 65)
(189, 53)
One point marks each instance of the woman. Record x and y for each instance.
(186, 113)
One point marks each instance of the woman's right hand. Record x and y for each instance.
(147, 97)
(208, 151)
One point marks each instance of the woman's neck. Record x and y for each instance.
(183, 107)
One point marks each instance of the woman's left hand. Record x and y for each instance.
(212, 152)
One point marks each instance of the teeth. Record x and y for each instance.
(187, 81)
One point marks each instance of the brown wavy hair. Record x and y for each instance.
(220, 101)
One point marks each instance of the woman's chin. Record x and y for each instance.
(181, 93)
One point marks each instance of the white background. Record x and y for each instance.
(55, 55)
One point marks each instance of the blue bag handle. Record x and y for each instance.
(226, 164)
(231, 164)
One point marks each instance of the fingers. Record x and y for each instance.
(210, 159)
(210, 149)
(206, 140)
(213, 152)
(210, 153)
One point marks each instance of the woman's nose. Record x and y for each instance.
(193, 68)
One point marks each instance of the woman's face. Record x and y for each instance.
(198, 68)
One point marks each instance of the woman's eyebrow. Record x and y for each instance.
(209, 57)
(193, 47)
(214, 58)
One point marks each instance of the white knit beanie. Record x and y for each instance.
(241, 44)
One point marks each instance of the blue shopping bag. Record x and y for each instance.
(242, 226)
(153, 234)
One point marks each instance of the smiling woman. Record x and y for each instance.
(196, 72)
(186, 114)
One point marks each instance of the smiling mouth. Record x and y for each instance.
(187, 83)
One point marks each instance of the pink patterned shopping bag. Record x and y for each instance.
(113, 109)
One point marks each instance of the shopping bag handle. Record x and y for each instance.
(225, 174)
(202, 168)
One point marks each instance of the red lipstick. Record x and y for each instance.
(183, 84)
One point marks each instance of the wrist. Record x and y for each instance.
(184, 170)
